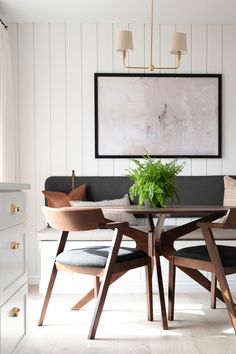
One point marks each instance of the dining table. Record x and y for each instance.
(159, 239)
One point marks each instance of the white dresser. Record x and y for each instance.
(13, 276)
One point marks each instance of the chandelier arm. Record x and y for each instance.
(178, 55)
(151, 67)
(165, 67)
(136, 67)
(131, 67)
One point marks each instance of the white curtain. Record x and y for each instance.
(7, 136)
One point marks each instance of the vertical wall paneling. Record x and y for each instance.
(199, 167)
(185, 67)
(42, 115)
(53, 70)
(137, 56)
(120, 165)
(74, 100)
(214, 48)
(105, 64)
(27, 131)
(229, 105)
(89, 67)
(13, 40)
(187, 167)
(199, 65)
(214, 65)
(167, 59)
(199, 51)
(58, 100)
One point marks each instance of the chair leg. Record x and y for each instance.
(110, 264)
(148, 276)
(99, 306)
(220, 274)
(97, 284)
(60, 248)
(171, 289)
(213, 290)
(161, 291)
(48, 295)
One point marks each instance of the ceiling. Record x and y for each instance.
(118, 11)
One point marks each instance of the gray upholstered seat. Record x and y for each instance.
(227, 254)
(96, 256)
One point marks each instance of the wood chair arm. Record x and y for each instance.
(211, 225)
(114, 225)
(215, 225)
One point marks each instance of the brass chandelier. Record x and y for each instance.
(178, 47)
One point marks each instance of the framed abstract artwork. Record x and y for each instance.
(161, 115)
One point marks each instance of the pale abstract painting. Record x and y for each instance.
(160, 116)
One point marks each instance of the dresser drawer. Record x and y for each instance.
(13, 321)
(12, 260)
(12, 208)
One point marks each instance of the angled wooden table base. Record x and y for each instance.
(161, 243)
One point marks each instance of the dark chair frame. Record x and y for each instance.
(75, 219)
(214, 266)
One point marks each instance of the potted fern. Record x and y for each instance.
(154, 181)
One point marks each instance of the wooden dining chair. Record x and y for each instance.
(109, 262)
(220, 260)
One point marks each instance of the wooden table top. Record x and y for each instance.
(188, 209)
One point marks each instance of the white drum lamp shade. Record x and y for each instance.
(124, 41)
(179, 43)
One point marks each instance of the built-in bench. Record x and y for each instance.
(191, 190)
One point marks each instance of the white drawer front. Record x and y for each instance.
(12, 208)
(13, 329)
(12, 260)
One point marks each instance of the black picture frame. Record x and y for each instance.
(162, 115)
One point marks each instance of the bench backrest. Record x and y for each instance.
(191, 190)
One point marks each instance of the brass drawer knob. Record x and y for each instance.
(15, 312)
(14, 208)
(15, 245)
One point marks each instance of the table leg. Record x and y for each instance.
(153, 236)
(161, 291)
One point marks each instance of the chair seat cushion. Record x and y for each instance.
(227, 254)
(97, 256)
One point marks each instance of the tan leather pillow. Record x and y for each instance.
(230, 191)
(78, 193)
(61, 199)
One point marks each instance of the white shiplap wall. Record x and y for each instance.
(53, 66)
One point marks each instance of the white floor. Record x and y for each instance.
(124, 329)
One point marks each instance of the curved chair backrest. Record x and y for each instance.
(230, 219)
(73, 219)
